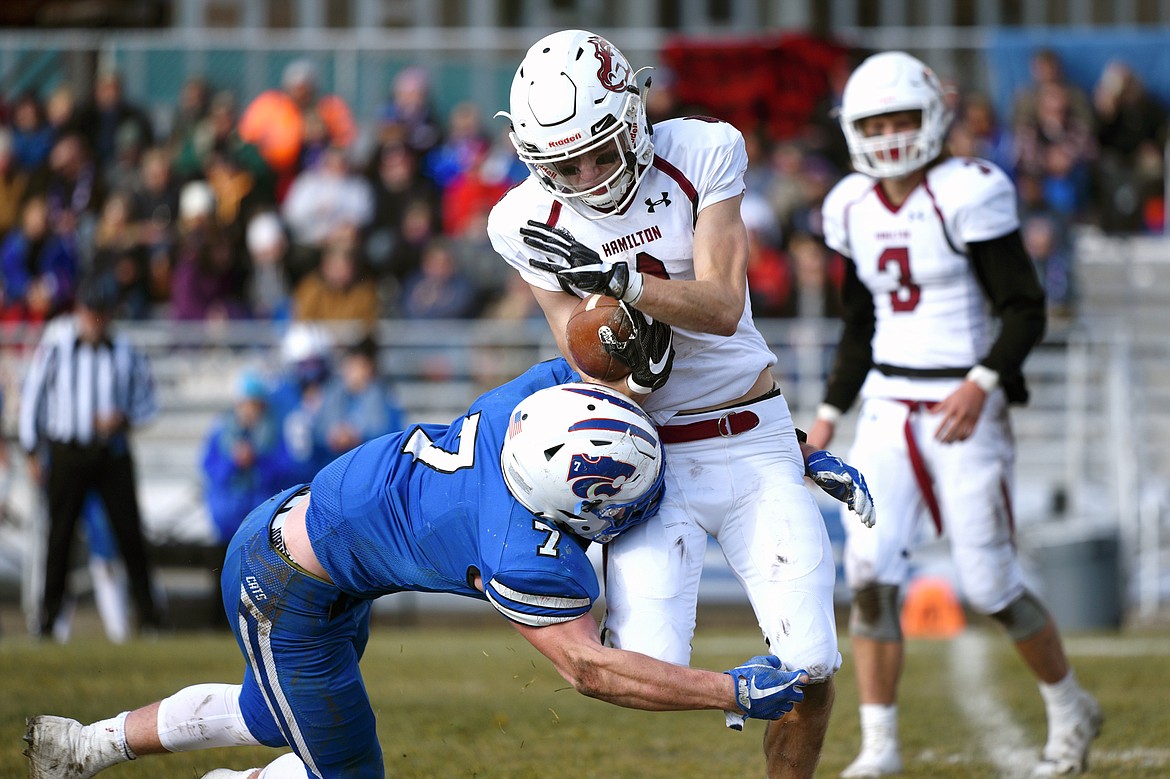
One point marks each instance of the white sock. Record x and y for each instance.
(285, 767)
(201, 717)
(109, 738)
(1062, 696)
(879, 720)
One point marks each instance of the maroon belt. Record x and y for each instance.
(725, 426)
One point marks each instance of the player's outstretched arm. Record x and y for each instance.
(759, 688)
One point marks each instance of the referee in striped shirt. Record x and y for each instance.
(83, 392)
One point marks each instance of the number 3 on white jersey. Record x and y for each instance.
(907, 295)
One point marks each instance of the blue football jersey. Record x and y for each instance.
(427, 510)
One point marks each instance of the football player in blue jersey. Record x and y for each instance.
(500, 505)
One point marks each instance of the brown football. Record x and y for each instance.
(596, 321)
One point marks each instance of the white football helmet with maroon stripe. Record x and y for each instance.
(575, 100)
(885, 83)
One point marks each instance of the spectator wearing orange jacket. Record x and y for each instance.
(275, 121)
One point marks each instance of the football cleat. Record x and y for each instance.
(227, 773)
(1067, 750)
(879, 757)
(61, 748)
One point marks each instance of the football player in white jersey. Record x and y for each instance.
(934, 258)
(651, 216)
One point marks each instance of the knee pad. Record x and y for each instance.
(1022, 618)
(875, 613)
(201, 717)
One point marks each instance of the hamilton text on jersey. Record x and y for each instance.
(627, 242)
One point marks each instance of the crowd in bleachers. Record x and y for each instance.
(1078, 158)
(262, 210)
(268, 210)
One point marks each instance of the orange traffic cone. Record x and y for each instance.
(932, 610)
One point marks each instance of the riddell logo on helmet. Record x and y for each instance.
(564, 141)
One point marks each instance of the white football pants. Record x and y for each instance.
(964, 487)
(748, 492)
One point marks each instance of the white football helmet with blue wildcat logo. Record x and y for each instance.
(585, 457)
(574, 99)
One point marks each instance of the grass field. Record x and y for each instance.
(479, 702)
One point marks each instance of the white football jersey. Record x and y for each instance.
(697, 162)
(929, 309)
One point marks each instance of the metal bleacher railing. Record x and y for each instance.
(1091, 448)
(437, 368)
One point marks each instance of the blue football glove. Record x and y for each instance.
(764, 690)
(843, 482)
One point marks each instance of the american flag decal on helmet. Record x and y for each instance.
(516, 425)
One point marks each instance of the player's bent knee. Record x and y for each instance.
(821, 673)
(818, 699)
(1022, 618)
(203, 716)
(821, 663)
(875, 613)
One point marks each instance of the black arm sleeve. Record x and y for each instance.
(855, 349)
(1008, 278)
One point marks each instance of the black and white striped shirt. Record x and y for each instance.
(70, 384)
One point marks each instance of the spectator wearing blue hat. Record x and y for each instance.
(244, 457)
